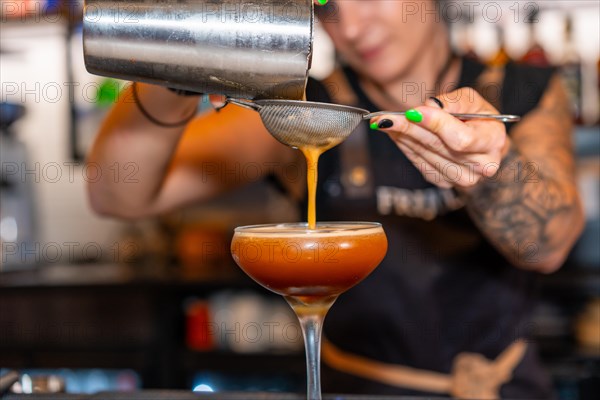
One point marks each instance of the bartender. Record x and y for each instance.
(474, 211)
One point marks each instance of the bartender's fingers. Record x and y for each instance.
(458, 135)
(441, 132)
(398, 127)
(430, 173)
(461, 173)
(434, 128)
(217, 100)
(431, 146)
(489, 133)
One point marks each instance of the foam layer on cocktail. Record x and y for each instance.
(324, 229)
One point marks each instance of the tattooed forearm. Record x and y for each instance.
(521, 210)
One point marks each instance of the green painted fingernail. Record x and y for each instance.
(374, 126)
(414, 115)
(322, 2)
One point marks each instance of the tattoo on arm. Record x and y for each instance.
(518, 207)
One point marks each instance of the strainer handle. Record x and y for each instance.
(462, 117)
(244, 103)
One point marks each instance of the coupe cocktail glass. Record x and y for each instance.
(310, 268)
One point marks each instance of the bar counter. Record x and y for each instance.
(186, 395)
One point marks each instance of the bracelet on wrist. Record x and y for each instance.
(152, 119)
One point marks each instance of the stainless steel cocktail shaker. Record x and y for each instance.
(241, 48)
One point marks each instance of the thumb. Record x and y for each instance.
(217, 100)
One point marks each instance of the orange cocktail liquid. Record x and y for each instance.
(310, 265)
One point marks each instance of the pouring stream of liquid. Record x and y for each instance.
(312, 155)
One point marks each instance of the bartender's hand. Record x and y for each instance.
(217, 100)
(447, 151)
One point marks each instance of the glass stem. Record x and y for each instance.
(311, 329)
(311, 322)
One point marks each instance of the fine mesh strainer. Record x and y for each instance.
(306, 123)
